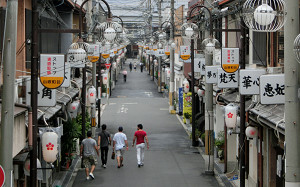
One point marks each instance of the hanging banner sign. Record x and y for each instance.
(185, 52)
(230, 59)
(272, 89)
(167, 50)
(250, 80)
(227, 80)
(93, 52)
(52, 70)
(180, 100)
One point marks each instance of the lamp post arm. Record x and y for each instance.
(166, 22)
(120, 20)
(210, 17)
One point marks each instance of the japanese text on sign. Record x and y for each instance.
(249, 81)
(185, 52)
(230, 59)
(227, 80)
(211, 74)
(272, 89)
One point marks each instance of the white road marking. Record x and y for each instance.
(164, 109)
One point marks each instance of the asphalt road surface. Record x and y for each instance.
(170, 161)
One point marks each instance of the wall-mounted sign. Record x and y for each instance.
(52, 70)
(230, 59)
(185, 52)
(211, 74)
(93, 52)
(272, 89)
(197, 64)
(249, 81)
(227, 80)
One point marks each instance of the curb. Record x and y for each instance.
(220, 177)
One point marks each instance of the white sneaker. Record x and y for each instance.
(92, 176)
(104, 165)
(87, 178)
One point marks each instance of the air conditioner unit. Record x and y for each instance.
(274, 70)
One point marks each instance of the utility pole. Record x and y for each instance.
(94, 82)
(292, 105)
(34, 90)
(172, 62)
(242, 109)
(159, 58)
(7, 111)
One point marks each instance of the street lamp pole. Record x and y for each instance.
(209, 128)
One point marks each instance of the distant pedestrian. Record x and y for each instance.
(88, 150)
(140, 136)
(120, 141)
(141, 66)
(134, 66)
(124, 74)
(130, 66)
(104, 140)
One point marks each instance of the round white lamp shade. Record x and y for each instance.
(92, 95)
(110, 34)
(264, 14)
(186, 86)
(189, 32)
(78, 54)
(251, 132)
(173, 45)
(159, 45)
(49, 144)
(230, 115)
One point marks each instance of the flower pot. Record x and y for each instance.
(187, 121)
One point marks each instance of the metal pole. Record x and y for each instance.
(242, 108)
(7, 111)
(172, 62)
(292, 106)
(94, 82)
(99, 92)
(193, 95)
(159, 58)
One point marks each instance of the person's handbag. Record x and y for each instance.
(113, 155)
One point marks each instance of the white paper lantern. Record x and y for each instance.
(230, 115)
(105, 78)
(155, 62)
(189, 32)
(168, 71)
(186, 86)
(251, 132)
(201, 93)
(49, 144)
(151, 58)
(196, 88)
(92, 95)
(73, 107)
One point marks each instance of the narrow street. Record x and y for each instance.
(170, 161)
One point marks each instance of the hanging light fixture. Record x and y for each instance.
(264, 15)
(189, 31)
(297, 48)
(251, 132)
(201, 93)
(92, 95)
(49, 144)
(230, 115)
(73, 107)
(210, 44)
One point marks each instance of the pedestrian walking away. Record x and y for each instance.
(120, 141)
(141, 66)
(104, 140)
(130, 66)
(88, 150)
(140, 136)
(124, 74)
(134, 66)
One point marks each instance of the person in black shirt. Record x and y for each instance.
(104, 140)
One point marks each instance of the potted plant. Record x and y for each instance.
(103, 90)
(187, 117)
(220, 143)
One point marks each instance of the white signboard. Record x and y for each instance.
(197, 64)
(202, 66)
(160, 52)
(67, 78)
(249, 81)
(211, 74)
(52, 70)
(227, 80)
(230, 59)
(272, 89)
(93, 52)
(167, 50)
(75, 63)
(148, 52)
(46, 96)
(112, 53)
(185, 52)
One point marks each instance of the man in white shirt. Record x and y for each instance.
(120, 141)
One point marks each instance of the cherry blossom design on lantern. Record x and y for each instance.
(73, 107)
(49, 146)
(187, 86)
(252, 133)
(229, 115)
(91, 94)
